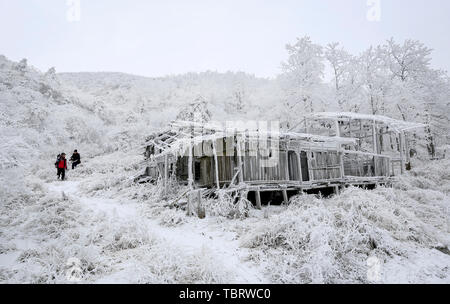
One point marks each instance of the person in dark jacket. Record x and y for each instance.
(75, 159)
(62, 166)
(56, 163)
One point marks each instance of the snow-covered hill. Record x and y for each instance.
(129, 98)
(39, 117)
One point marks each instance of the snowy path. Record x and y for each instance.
(192, 237)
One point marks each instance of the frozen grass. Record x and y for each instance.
(318, 240)
(228, 205)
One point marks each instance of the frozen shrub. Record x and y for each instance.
(128, 235)
(227, 205)
(172, 218)
(329, 240)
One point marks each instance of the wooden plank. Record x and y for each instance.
(216, 164)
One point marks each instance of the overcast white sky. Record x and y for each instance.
(156, 38)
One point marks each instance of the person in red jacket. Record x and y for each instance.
(62, 166)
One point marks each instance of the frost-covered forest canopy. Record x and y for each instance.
(124, 232)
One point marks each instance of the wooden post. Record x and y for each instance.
(374, 135)
(402, 161)
(341, 159)
(310, 170)
(375, 149)
(407, 152)
(338, 129)
(286, 168)
(350, 128)
(336, 190)
(216, 164)
(340, 150)
(200, 210)
(258, 199)
(239, 152)
(285, 197)
(299, 160)
(188, 206)
(190, 173)
(166, 173)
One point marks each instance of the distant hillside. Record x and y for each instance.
(38, 116)
(156, 101)
(45, 113)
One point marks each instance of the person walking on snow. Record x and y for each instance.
(56, 163)
(62, 166)
(75, 159)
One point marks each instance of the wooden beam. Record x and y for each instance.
(309, 160)
(189, 202)
(285, 197)
(341, 164)
(258, 199)
(286, 168)
(337, 190)
(200, 210)
(239, 156)
(166, 173)
(216, 165)
(374, 136)
(338, 128)
(339, 149)
(375, 147)
(408, 156)
(402, 160)
(190, 173)
(299, 161)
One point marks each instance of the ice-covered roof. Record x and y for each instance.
(182, 134)
(395, 124)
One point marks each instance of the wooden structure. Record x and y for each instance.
(327, 150)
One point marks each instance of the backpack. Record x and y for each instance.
(57, 160)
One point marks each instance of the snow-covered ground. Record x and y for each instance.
(199, 237)
(126, 235)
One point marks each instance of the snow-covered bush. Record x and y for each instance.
(228, 205)
(329, 240)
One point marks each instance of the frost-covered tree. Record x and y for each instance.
(408, 63)
(420, 93)
(408, 60)
(375, 80)
(346, 83)
(197, 111)
(302, 77)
